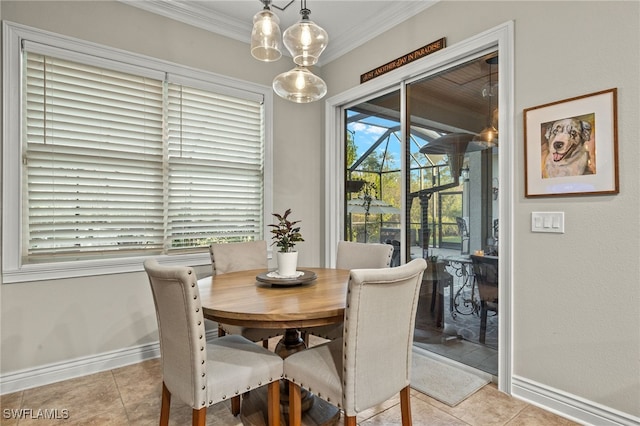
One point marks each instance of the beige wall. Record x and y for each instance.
(49, 322)
(576, 296)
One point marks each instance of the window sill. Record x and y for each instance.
(89, 268)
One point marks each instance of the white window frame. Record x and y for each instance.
(13, 271)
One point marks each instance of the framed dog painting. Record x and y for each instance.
(571, 146)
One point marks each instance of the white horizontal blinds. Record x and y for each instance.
(93, 159)
(216, 159)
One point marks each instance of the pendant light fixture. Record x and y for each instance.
(299, 85)
(489, 135)
(305, 40)
(265, 36)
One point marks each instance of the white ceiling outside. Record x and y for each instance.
(349, 23)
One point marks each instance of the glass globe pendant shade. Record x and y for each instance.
(299, 85)
(265, 36)
(488, 136)
(305, 41)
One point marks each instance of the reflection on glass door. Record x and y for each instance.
(447, 162)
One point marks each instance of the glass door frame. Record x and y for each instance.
(500, 39)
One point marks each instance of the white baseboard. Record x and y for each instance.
(569, 406)
(51, 373)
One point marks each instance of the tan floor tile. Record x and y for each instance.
(380, 408)
(144, 413)
(534, 416)
(131, 396)
(10, 401)
(422, 413)
(139, 382)
(82, 397)
(486, 407)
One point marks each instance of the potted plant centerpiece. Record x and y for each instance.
(285, 236)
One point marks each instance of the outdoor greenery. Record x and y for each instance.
(381, 171)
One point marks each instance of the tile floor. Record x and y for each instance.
(131, 396)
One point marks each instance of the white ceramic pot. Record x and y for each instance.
(287, 263)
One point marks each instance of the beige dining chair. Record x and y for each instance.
(351, 255)
(361, 370)
(201, 373)
(234, 257)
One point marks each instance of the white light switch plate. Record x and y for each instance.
(547, 222)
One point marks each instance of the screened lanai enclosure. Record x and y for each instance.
(435, 196)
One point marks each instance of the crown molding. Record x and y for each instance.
(198, 15)
(395, 14)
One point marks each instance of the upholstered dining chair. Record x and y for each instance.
(485, 271)
(202, 373)
(360, 370)
(351, 255)
(233, 257)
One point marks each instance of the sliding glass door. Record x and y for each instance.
(421, 166)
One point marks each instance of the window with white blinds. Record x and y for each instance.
(116, 164)
(215, 179)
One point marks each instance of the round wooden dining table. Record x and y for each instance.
(239, 298)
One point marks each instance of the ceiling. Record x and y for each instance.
(349, 23)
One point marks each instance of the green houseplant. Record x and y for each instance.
(285, 235)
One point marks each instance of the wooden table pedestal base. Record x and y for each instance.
(253, 411)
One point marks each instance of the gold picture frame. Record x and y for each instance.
(571, 146)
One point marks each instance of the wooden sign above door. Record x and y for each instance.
(430, 48)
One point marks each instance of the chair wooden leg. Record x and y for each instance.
(273, 403)
(235, 405)
(295, 405)
(199, 417)
(221, 332)
(265, 343)
(349, 420)
(405, 406)
(165, 405)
